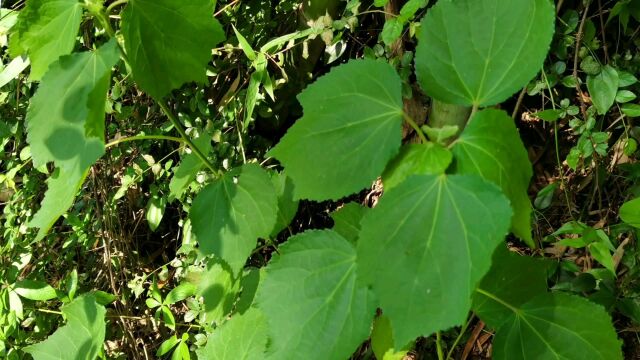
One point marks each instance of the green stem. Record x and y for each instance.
(114, 4)
(143, 137)
(415, 127)
(439, 346)
(178, 125)
(463, 330)
(443, 114)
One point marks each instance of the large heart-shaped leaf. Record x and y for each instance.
(45, 31)
(435, 236)
(65, 124)
(533, 324)
(350, 129)
(557, 326)
(479, 52)
(80, 338)
(169, 42)
(229, 215)
(513, 278)
(310, 288)
(490, 146)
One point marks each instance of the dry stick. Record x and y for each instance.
(518, 103)
(579, 34)
(474, 336)
(604, 40)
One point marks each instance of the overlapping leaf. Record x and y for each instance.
(346, 220)
(413, 159)
(65, 124)
(490, 147)
(513, 278)
(81, 338)
(242, 337)
(350, 129)
(218, 287)
(479, 53)
(46, 30)
(310, 297)
(229, 215)
(531, 323)
(287, 206)
(435, 236)
(169, 42)
(557, 326)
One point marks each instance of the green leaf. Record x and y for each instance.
(549, 115)
(382, 342)
(410, 8)
(13, 70)
(45, 31)
(151, 27)
(65, 124)
(392, 30)
(514, 279)
(249, 287)
(287, 206)
(180, 293)
(350, 129)
(346, 220)
(310, 288)
(244, 45)
(630, 212)
(557, 326)
(603, 88)
(624, 96)
(229, 215)
(155, 211)
(416, 229)
(167, 345)
(631, 110)
(242, 337)
(34, 290)
(490, 146)
(480, 52)
(217, 286)
(80, 338)
(188, 169)
(416, 159)
(626, 79)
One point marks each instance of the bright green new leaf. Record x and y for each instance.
(217, 286)
(416, 230)
(169, 42)
(603, 88)
(179, 293)
(350, 129)
(65, 124)
(13, 69)
(81, 338)
(46, 30)
(155, 211)
(480, 52)
(416, 159)
(287, 206)
(630, 212)
(513, 278)
(490, 147)
(346, 220)
(557, 326)
(310, 288)
(188, 169)
(242, 337)
(229, 215)
(35, 290)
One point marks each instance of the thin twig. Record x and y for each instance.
(579, 34)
